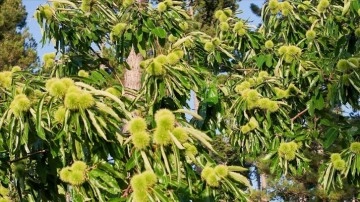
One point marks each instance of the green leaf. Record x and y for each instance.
(327, 177)
(25, 135)
(104, 180)
(218, 57)
(192, 113)
(97, 77)
(269, 155)
(325, 122)
(357, 163)
(346, 8)
(149, 23)
(76, 195)
(110, 169)
(211, 96)
(310, 107)
(39, 126)
(354, 85)
(319, 103)
(330, 136)
(240, 178)
(95, 186)
(142, 51)
(313, 82)
(254, 42)
(160, 195)
(159, 32)
(260, 60)
(117, 199)
(131, 162)
(268, 61)
(96, 125)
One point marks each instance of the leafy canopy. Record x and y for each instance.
(272, 93)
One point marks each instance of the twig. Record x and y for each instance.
(126, 191)
(103, 60)
(298, 115)
(27, 156)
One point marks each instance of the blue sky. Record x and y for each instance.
(34, 28)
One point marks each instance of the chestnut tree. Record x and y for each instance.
(82, 129)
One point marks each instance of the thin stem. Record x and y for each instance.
(27, 156)
(298, 115)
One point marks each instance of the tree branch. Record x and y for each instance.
(126, 192)
(298, 115)
(103, 60)
(27, 156)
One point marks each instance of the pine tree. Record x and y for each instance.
(255, 9)
(17, 47)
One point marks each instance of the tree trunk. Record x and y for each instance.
(196, 103)
(263, 181)
(191, 9)
(132, 76)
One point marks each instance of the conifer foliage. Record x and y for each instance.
(17, 48)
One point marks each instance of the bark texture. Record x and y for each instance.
(132, 76)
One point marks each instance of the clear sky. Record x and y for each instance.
(34, 28)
